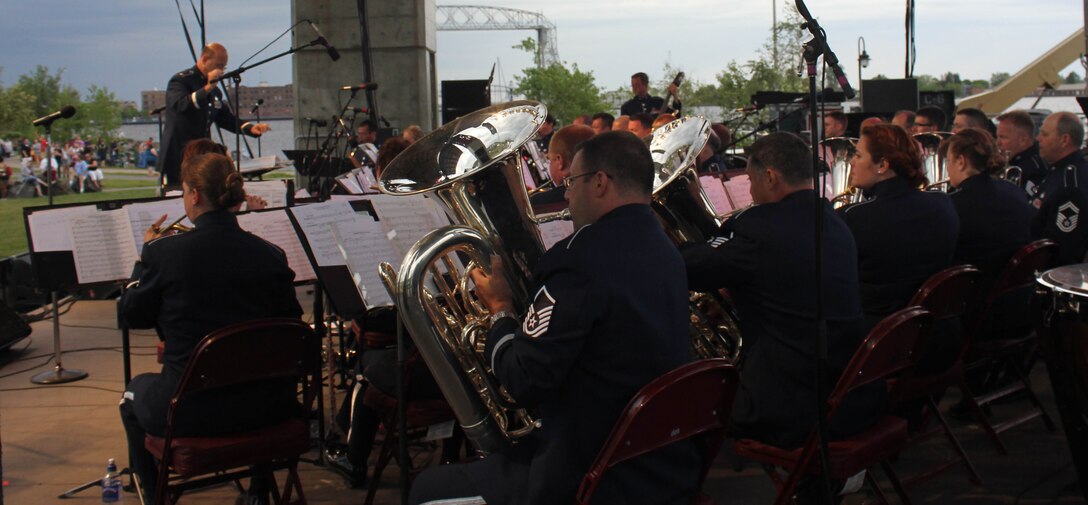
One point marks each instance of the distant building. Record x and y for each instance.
(279, 101)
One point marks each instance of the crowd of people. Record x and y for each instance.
(75, 165)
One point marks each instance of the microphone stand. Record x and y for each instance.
(319, 184)
(812, 50)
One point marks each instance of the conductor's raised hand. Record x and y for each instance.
(259, 129)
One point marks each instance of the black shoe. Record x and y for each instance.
(356, 477)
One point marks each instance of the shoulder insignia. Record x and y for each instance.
(717, 242)
(1068, 216)
(539, 315)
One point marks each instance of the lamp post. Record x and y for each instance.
(863, 62)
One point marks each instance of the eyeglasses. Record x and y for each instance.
(923, 125)
(569, 180)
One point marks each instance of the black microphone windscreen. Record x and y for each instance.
(67, 111)
(333, 53)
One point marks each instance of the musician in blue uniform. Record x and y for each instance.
(642, 102)
(560, 153)
(1065, 190)
(193, 103)
(190, 284)
(995, 220)
(903, 235)
(609, 313)
(765, 257)
(1016, 136)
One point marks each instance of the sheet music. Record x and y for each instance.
(142, 215)
(316, 221)
(737, 190)
(367, 183)
(715, 191)
(349, 183)
(554, 231)
(276, 228)
(49, 228)
(363, 246)
(258, 164)
(102, 246)
(274, 192)
(406, 219)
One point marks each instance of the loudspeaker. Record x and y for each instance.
(462, 97)
(944, 100)
(12, 327)
(887, 96)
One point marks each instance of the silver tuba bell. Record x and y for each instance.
(837, 154)
(688, 216)
(473, 167)
(932, 162)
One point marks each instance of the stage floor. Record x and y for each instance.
(57, 437)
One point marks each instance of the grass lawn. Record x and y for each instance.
(13, 232)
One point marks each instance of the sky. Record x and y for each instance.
(134, 45)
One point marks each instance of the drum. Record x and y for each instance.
(1064, 335)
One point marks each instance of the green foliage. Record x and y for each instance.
(529, 45)
(1073, 78)
(42, 92)
(567, 92)
(997, 78)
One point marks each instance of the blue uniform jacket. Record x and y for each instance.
(610, 314)
(1064, 197)
(765, 258)
(995, 221)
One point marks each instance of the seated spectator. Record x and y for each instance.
(79, 175)
(94, 173)
(602, 122)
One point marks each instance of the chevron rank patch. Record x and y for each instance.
(1068, 215)
(717, 242)
(539, 315)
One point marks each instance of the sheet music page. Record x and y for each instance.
(142, 215)
(349, 183)
(274, 192)
(406, 219)
(316, 221)
(363, 246)
(367, 181)
(554, 231)
(102, 246)
(715, 191)
(737, 190)
(49, 228)
(276, 227)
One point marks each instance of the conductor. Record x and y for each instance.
(193, 103)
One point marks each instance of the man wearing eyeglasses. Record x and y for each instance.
(609, 314)
(929, 120)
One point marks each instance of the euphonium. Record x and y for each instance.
(472, 166)
(932, 162)
(688, 216)
(840, 149)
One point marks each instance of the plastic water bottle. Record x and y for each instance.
(111, 484)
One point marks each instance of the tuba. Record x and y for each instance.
(473, 167)
(688, 216)
(841, 150)
(932, 162)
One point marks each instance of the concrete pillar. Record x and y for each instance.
(403, 40)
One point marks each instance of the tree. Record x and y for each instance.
(1073, 78)
(566, 92)
(16, 113)
(997, 78)
(100, 114)
(49, 95)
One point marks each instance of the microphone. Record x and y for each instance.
(333, 53)
(65, 112)
(318, 122)
(360, 110)
(357, 87)
(260, 102)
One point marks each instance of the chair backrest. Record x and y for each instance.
(251, 351)
(693, 399)
(948, 293)
(886, 351)
(1015, 282)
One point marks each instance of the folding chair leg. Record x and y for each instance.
(969, 397)
(293, 484)
(875, 486)
(384, 455)
(1034, 399)
(898, 486)
(975, 479)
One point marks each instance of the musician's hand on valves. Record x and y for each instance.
(492, 289)
(155, 231)
(259, 129)
(255, 202)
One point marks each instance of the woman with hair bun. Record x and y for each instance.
(190, 284)
(995, 220)
(903, 235)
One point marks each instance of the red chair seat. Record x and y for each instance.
(419, 412)
(847, 457)
(199, 455)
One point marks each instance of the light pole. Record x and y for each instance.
(863, 62)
